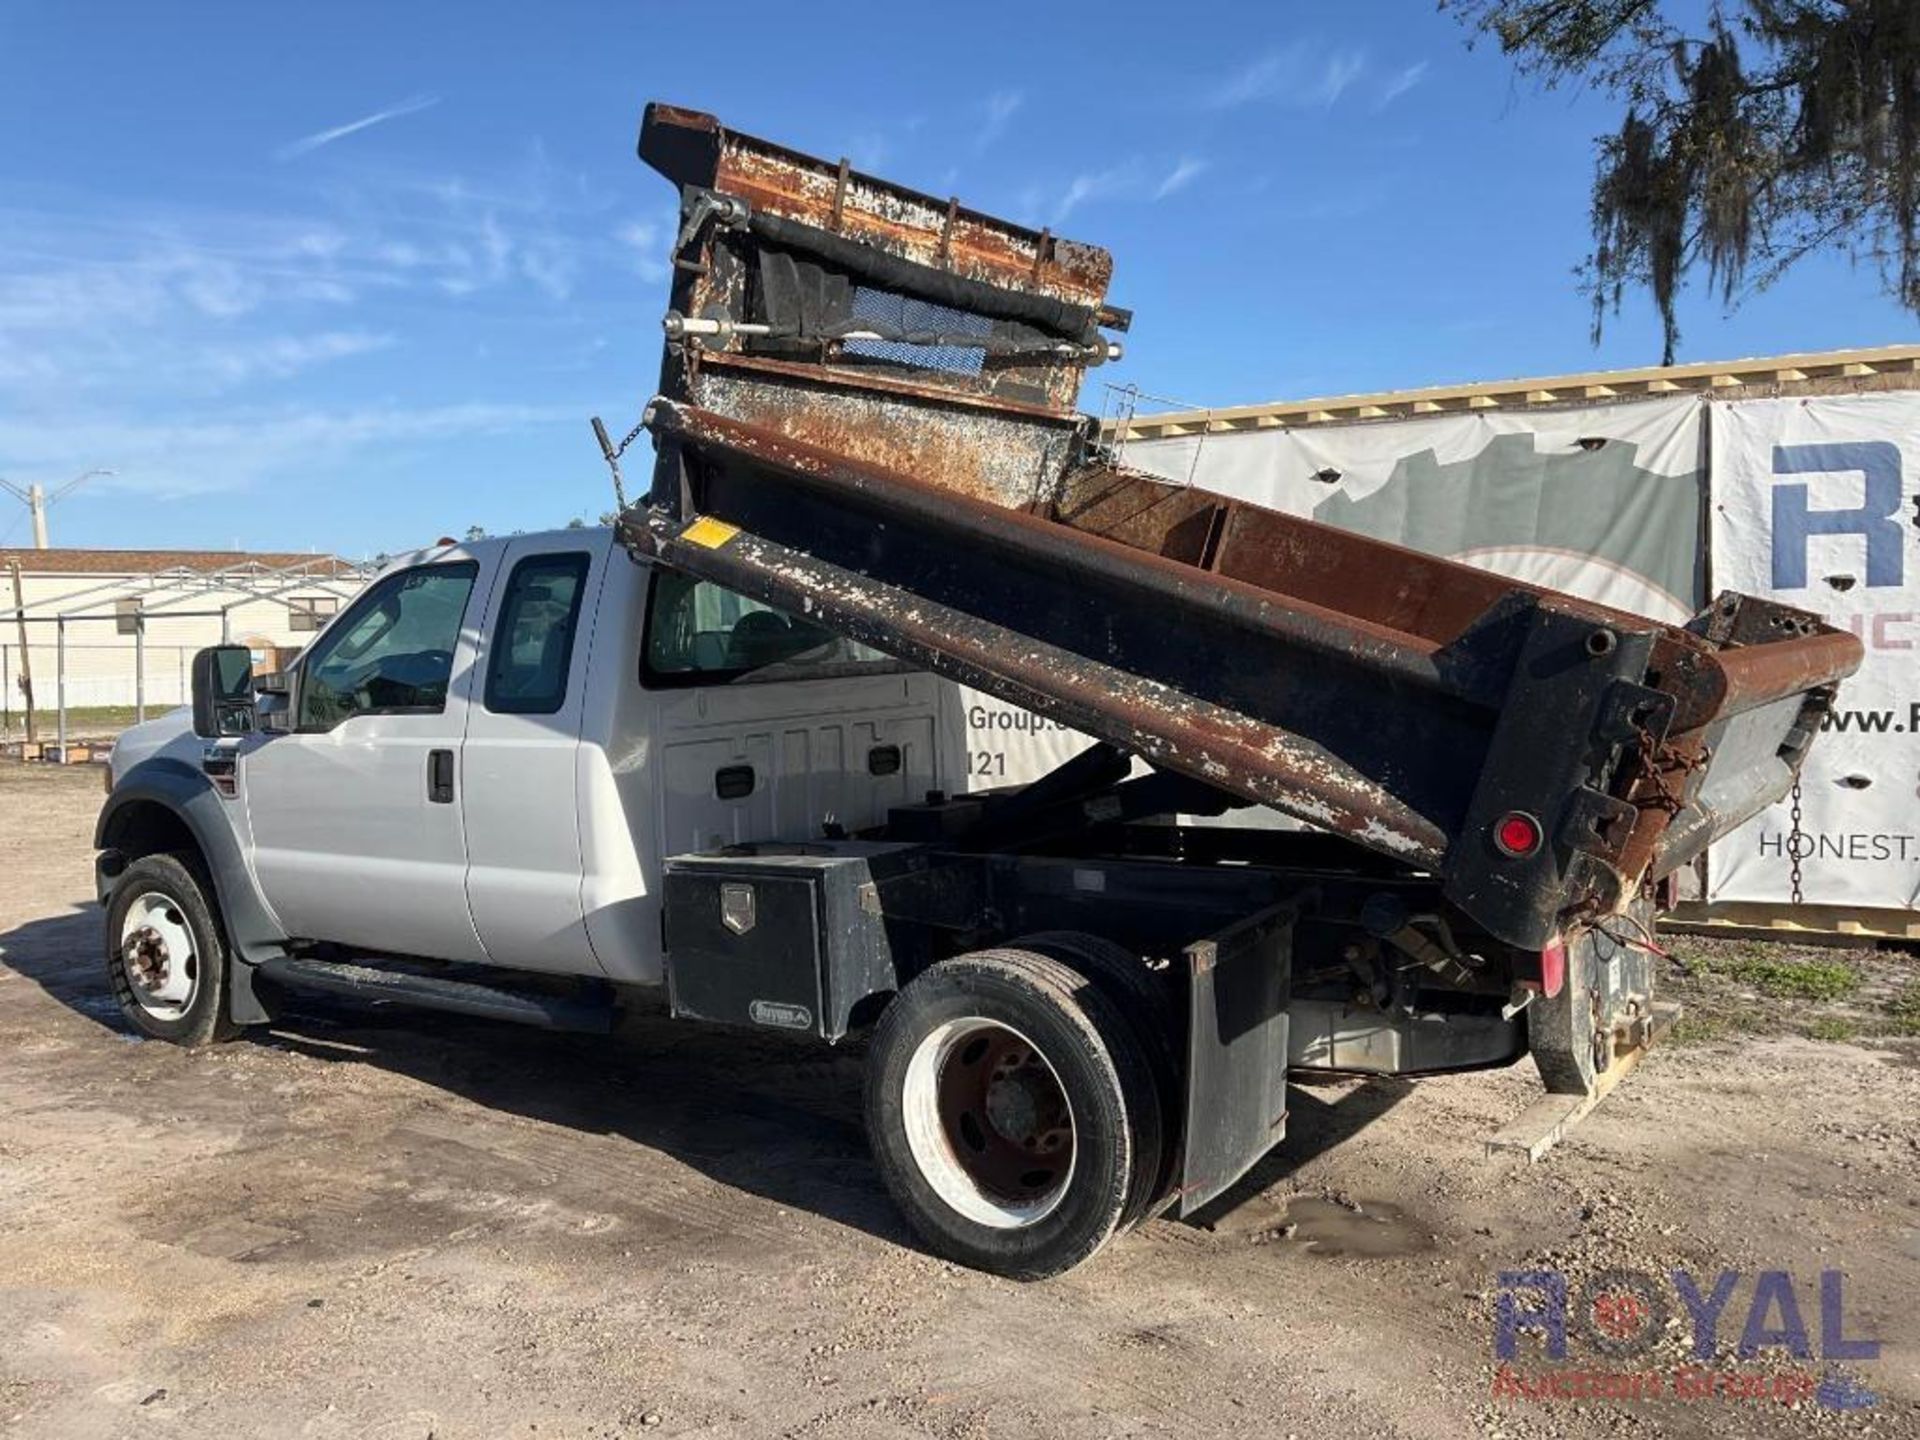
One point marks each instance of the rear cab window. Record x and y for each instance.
(532, 651)
(699, 633)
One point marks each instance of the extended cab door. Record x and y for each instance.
(521, 806)
(769, 727)
(355, 814)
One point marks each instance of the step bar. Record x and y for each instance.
(373, 982)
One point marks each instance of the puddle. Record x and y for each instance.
(1375, 1230)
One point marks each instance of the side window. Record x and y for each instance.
(392, 652)
(532, 651)
(699, 633)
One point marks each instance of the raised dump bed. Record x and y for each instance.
(866, 416)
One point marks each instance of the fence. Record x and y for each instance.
(84, 676)
(117, 651)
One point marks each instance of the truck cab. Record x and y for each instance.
(487, 755)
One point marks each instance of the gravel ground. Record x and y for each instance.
(381, 1224)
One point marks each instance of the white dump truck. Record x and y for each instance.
(711, 755)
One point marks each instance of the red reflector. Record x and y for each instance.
(1553, 967)
(1517, 833)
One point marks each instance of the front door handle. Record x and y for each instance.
(440, 776)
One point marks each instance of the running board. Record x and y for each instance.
(430, 992)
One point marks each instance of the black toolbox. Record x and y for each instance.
(791, 936)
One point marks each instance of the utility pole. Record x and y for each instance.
(36, 499)
(26, 655)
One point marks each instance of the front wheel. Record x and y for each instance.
(1012, 1112)
(167, 951)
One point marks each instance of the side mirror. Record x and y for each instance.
(223, 691)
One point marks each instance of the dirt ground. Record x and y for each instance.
(393, 1225)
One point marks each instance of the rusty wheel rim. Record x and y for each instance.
(989, 1123)
(157, 951)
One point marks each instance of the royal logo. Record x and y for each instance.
(1622, 1317)
(1874, 519)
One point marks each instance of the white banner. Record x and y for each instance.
(1815, 503)
(1602, 500)
(1010, 746)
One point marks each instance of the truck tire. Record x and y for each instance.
(1150, 1004)
(167, 957)
(1012, 1112)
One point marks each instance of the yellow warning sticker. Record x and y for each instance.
(709, 533)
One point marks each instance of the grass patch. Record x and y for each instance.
(1903, 1012)
(1704, 1028)
(1831, 1027)
(1790, 979)
(88, 719)
(1691, 1029)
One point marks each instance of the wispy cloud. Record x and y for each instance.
(647, 248)
(869, 150)
(550, 265)
(1399, 83)
(1177, 179)
(307, 144)
(1337, 72)
(208, 348)
(283, 356)
(1257, 81)
(998, 110)
(240, 449)
(1135, 179)
(1302, 74)
(1114, 181)
(98, 299)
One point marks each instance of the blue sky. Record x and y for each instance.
(351, 276)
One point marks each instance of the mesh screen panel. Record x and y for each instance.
(887, 311)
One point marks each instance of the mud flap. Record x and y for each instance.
(1605, 1008)
(1239, 981)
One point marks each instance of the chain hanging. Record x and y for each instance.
(1796, 842)
(613, 453)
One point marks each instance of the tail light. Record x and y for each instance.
(1553, 967)
(1516, 834)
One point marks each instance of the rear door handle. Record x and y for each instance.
(440, 776)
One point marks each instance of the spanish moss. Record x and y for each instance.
(1777, 129)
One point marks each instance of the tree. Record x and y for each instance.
(1783, 128)
(476, 532)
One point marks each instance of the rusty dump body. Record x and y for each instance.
(866, 416)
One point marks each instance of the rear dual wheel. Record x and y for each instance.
(1013, 1112)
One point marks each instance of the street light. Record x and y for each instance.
(36, 499)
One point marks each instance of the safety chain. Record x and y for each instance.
(1796, 841)
(1652, 751)
(613, 453)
